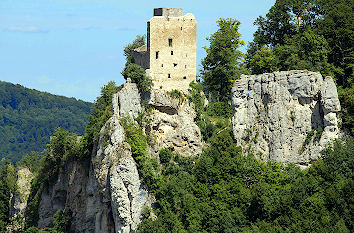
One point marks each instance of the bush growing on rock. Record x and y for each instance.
(138, 76)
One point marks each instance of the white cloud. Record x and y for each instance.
(28, 29)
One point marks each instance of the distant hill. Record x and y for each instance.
(29, 117)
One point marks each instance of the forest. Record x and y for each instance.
(225, 189)
(29, 117)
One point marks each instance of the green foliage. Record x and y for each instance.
(176, 94)
(61, 222)
(319, 132)
(316, 35)
(138, 75)
(31, 161)
(148, 167)
(212, 119)
(133, 71)
(4, 195)
(139, 41)
(263, 61)
(225, 191)
(32, 230)
(196, 96)
(62, 148)
(28, 117)
(309, 136)
(346, 97)
(165, 155)
(223, 63)
(102, 111)
(219, 109)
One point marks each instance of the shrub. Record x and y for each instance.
(319, 132)
(148, 167)
(176, 94)
(102, 111)
(61, 223)
(165, 155)
(219, 109)
(138, 75)
(195, 96)
(309, 137)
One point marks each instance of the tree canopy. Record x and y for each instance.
(139, 41)
(316, 35)
(29, 117)
(133, 71)
(224, 61)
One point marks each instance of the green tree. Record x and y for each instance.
(61, 222)
(139, 41)
(4, 195)
(102, 111)
(308, 34)
(263, 61)
(29, 117)
(223, 63)
(133, 71)
(138, 75)
(31, 161)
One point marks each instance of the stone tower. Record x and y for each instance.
(171, 52)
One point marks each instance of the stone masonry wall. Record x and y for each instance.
(172, 46)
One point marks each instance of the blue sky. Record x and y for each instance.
(73, 47)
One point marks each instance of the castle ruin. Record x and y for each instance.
(171, 52)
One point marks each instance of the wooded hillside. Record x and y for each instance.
(29, 117)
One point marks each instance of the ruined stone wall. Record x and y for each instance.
(172, 45)
(141, 58)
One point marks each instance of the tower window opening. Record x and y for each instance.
(184, 77)
(169, 76)
(171, 52)
(185, 66)
(174, 64)
(170, 42)
(181, 28)
(161, 65)
(157, 54)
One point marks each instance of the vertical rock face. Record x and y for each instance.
(18, 201)
(285, 116)
(172, 122)
(129, 100)
(108, 196)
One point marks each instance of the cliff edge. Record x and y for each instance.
(286, 116)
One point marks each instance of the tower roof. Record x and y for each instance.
(168, 12)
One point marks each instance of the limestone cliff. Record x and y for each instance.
(285, 116)
(110, 196)
(18, 200)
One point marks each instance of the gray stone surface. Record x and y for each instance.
(18, 200)
(108, 196)
(127, 195)
(172, 124)
(129, 100)
(274, 113)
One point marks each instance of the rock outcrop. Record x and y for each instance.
(285, 116)
(173, 125)
(18, 200)
(108, 196)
